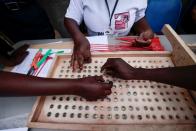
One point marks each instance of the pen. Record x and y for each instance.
(44, 58)
(34, 62)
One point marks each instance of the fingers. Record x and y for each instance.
(107, 86)
(108, 69)
(100, 91)
(99, 78)
(80, 61)
(74, 62)
(108, 92)
(111, 63)
(87, 58)
(106, 65)
(20, 51)
(141, 36)
(140, 42)
(77, 61)
(83, 59)
(110, 72)
(146, 35)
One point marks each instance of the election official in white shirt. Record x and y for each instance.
(104, 17)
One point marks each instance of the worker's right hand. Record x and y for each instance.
(117, 67)
(81, 53)
(93, 88)
(17, 57)
(144, 40)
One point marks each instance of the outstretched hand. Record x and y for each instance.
(16, 58)
(117, 67)
(81, 53)
(93, 88)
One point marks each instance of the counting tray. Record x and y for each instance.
(131, 102)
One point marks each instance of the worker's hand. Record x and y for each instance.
(81, 53)
(117, 67)
(93, 88)
(146, 35)
(144, 39)
(17, 57)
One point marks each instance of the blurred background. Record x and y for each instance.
(176, 12)
(44, 19)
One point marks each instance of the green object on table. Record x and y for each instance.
(44, 58)
(58, 52)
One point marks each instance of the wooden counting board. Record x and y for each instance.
(131, 102)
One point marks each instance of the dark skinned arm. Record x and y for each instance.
(142, 27)
(81, 52)
(91, 88)
(177, 76)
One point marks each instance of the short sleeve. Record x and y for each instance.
(140, 13)
(75, 11)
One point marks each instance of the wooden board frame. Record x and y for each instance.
(181, 54)
(178, 47)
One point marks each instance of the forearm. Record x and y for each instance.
(73, 29)
(178, 76)
(141, 26)
(13, 84)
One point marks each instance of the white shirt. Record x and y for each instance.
(96, 17)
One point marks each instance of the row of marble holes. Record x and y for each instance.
(132, 86)
(121, 108)
(118, 82)
(148, 61)
(117, 99)
(134, 93)
(134, 61)
(129, 61)
(73, 76)
(123, 116)
(146, 100)
(93, 61)
(83, 71)
(96, 69)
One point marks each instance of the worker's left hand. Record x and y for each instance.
(117, 67)
(93, 88)
(144, 39)
(17, 57)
